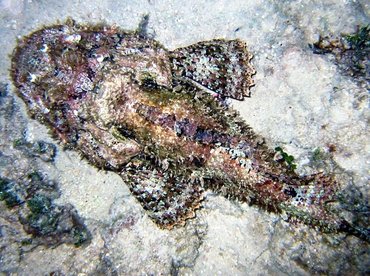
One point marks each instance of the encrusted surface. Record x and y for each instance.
(130, 106)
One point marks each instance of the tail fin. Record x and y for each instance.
(221, 66)
(312, 202)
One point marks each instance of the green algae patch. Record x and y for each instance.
(360, 39)
(288, 159)
(32, 198)
(8, 194)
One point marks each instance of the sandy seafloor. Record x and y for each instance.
(301, 102)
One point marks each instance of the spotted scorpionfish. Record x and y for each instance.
(131, 106)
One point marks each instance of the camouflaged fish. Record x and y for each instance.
(131, 106)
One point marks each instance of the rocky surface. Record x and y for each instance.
(303, 101)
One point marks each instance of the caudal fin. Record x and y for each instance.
(313, 201)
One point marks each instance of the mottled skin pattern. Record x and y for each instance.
(129, 105)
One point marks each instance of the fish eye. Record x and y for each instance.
(148, 81)
(150, 84)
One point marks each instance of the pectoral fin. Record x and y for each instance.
(221, 66)
(169, 199)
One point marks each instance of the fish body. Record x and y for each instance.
(129, 105)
